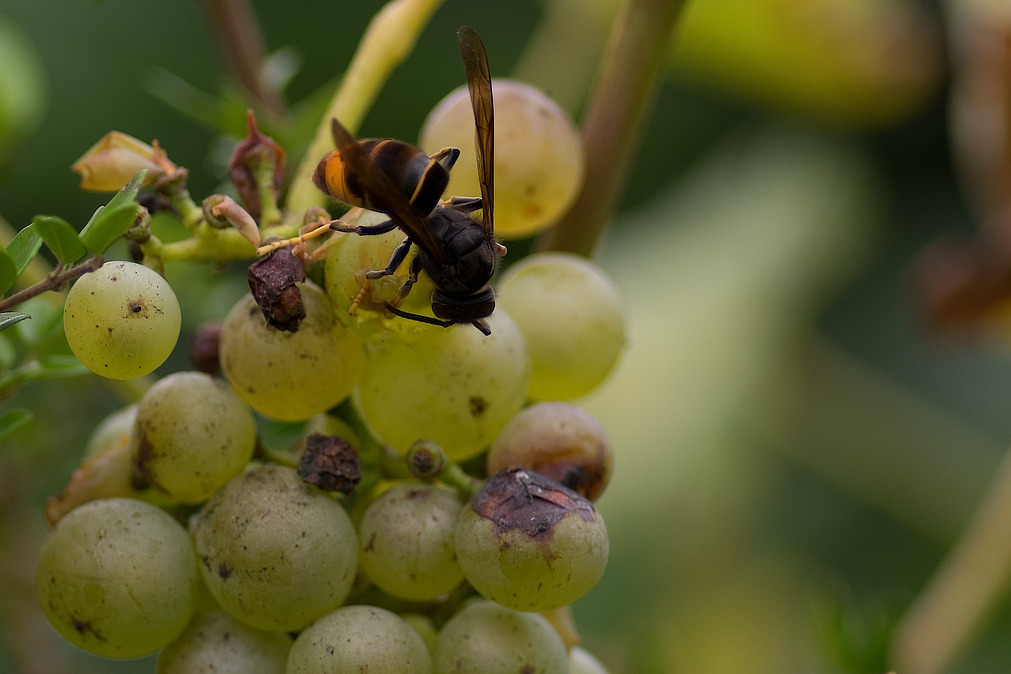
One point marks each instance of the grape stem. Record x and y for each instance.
(54, 281)
(241, 42)
(968, 585)
(638, 46)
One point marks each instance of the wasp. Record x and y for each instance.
(456, 250)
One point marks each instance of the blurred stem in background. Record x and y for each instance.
(637, 49)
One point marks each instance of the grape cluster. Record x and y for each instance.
(468, 526)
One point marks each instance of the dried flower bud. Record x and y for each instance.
(273, 280)
(114, 160)
(330, 463)
(253, 153)
(221, 211)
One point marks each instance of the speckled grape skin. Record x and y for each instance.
(359, 639)
(191, 435)
(457, 387)
(290, 376)
(117, 578)
(216, 643)
(485, 638)
(122, 320)
(275, 552)
(406, 541)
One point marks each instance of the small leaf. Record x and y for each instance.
(13, 420)
(60, 237)
(9, 318)
(24, 246)
(8, 271)
(107, 225)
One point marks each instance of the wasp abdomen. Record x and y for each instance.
(420, 178)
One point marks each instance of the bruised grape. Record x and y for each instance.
(528, 543)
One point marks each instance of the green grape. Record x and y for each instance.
(356, 639)
(571, 315)
(581, 662)
(539, 158)
(121, 320)
(359, 302)
(485, 638)
(215, 643)
(113, 430)
(559, 441)
(275, 552)
(117, 578)
(192, 435)
(290, 376)
(406, 541)
(456, 387)
(529, 543)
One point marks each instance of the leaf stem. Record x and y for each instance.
(637, 49)
(53, 281)
(388, 39)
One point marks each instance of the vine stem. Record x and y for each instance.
(969, 583)
(53, 281)
(637, 49)
(388, 39)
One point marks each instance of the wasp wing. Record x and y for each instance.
(382, 193)
(475, 61)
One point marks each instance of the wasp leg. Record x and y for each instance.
(396, 259)
(301, 238)
(445, 323)
(366, 230)
(412, 278)
(465, 204)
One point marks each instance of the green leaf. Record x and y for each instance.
(60, 237)
(8, 271)
(13, 420)
(9, 318)
(24, 246)
(50, 367)
(107, 225)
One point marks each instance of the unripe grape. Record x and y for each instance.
(529, 543)
(559, 441)
(215, 643)
(121, 320)
(113, 430)
(457, 387)
(539, 158)
(192, 434)
(357, 639)
(406, 541)
(117, 578)
(581, 662)
(485, 638)
(571, 315)
(359, 302)
(275, 552)
(290, 376)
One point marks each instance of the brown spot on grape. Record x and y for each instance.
(478, 406)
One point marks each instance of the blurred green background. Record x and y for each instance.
(796, 449)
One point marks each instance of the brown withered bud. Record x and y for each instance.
(204, 348)
(251, 153)
(330, 463)
(273, 280)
